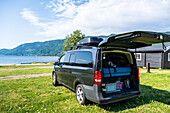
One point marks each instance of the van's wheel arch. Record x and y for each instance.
(54, 78)
(80, 95)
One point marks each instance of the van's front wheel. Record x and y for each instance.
(80, 95)
(54, 76)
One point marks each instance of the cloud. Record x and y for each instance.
(96, 17)
(30, 16)
(124, 15)
(65, 8)
(54, 29)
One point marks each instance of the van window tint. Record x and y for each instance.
(72, 59)
(84, 59)
(62, 59)
(67, 58)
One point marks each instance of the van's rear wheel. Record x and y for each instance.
(80, 95)
(55, 82)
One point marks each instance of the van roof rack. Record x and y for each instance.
(85, 47)
(91, 41)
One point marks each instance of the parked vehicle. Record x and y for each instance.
(104, 71)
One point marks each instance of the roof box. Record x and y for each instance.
(91, 41)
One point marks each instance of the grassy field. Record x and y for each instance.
(38, 95)
(6, 73)
(162, 71)
(22, 66)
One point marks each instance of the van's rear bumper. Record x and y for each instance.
(117, 99)
(93, 93)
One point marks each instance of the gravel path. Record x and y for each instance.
(24, 76)
(24, 68)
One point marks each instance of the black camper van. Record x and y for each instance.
(104, 71)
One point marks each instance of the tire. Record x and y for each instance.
(54, 78)
(80, 95)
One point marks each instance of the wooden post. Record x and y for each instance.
(148, 67)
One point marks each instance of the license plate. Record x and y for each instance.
(114, 87)
(111, 87)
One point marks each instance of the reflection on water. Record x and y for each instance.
(9, 60)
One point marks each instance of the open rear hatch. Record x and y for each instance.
(135, 39)
(119, 71)
(119, 75)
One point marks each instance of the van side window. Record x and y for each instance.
(67, 58)
(72, 59)
(62, 59)
(84, 59)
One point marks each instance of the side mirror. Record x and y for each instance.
(56, 63)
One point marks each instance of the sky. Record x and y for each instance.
(24, 21)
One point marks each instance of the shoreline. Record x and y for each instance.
(22, 64)
(27, 60)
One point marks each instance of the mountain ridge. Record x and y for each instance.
(46, 48)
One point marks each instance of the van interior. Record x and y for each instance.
(118, 73)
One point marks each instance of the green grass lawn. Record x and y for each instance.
(5, 73)
(22, 66)
(155, 70)
(38, 95)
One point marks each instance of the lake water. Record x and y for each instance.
(9, 60)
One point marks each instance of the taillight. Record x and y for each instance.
(97, 78)
(138, 72)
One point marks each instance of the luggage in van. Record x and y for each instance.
(120, 71)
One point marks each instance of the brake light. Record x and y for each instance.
(97, 78)
(138, 72)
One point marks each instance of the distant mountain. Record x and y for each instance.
(47, 48)
(168, 32)
(4, 51)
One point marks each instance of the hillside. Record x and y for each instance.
(47, 48)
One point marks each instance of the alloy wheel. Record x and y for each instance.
(80, 95)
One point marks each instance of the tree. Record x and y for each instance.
(71, 41)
